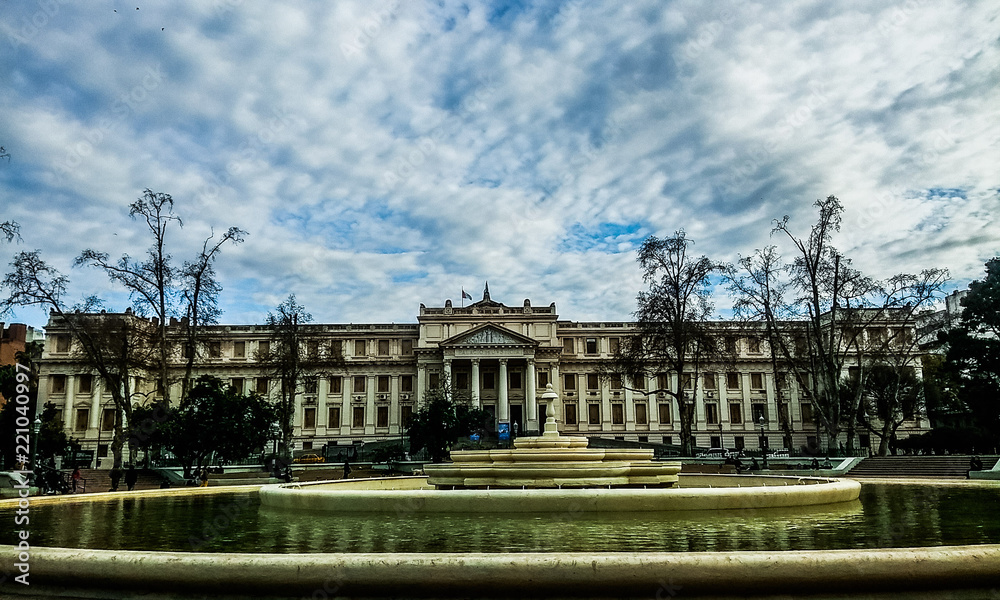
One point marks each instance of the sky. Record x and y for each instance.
(382, 154)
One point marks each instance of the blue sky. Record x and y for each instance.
(383, 154)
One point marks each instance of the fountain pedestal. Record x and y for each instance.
(552, 460)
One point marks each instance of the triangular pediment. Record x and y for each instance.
(489, 335)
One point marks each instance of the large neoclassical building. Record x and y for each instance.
(502, 357)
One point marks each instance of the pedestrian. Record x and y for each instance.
(116, 476)
(347, 469)
(131, 476)
(75, 477)
(204, 478)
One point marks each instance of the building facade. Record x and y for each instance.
(501, 357)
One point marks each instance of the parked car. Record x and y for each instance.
(309, 458)
(8, 479)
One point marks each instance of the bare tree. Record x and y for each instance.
(149, 282)
(10, 230)
(200, 291)
(672, 329)
(293, 353)
(114, 345)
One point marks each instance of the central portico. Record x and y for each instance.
(499, 356)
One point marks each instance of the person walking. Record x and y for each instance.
(347, 469)
(131, 476)
(204, 478)
(75, 477)
(116, 476)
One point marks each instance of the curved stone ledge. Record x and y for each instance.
(411, 495)
(120, 574)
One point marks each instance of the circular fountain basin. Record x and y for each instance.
(692, 492)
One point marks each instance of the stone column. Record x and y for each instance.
(503, 410)
(477, 394)
(421, 383)
(321, 412)
(370, 404)
(531, 419)
(95, 405)
(556, 380)
(394, 409)
(68, 417)
(447, 372)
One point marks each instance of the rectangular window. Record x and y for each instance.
(570, 414)
(307, 445)
(781, 380)
(489, 380)
(733, 381)
(383, 384)
(58, 384)
(311, 384)
(359, 417)
(568, 346)
(618, 414)
(336, 384)
(462, 380)
(405, 415)
(753, 345)
(756, 381)
(730, 344)
(381, 416)
(641, 416)
(614, 345)
(359, 384)
(543, 377)
(262, 385)
(406, 383)
(687, 379)
(735, 413)
(807, 413)
(309, 418)
(383, 348)
(264, 349)
(333, 417)
(739, 442)
(312, 349)
(712, 414)
(406, 347)
(664, 412)
(593, 381)
(82, 418)
(359, 348)
(215, 349)
(708, 381)
(515, 380)
(591, 345)
(668, 439)
(238, 384)
(757, 411)
(569, 381)
(239, 349)
(662, 381)
(108, 419)
(639, 382)
(616, 382)
(594, 414)
(86, 385)
(62, 343)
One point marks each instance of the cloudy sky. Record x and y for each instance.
(383, 154)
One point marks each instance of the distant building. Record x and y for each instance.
(15, 339)
(502, 357)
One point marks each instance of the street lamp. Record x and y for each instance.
(763, 441)
(35, 429)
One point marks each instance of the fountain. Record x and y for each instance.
(553, 472)
(550, 474)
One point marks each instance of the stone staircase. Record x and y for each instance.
(937, 467)
(99, 480)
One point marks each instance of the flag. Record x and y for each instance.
(466, 294)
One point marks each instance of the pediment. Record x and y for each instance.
(489, 335)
